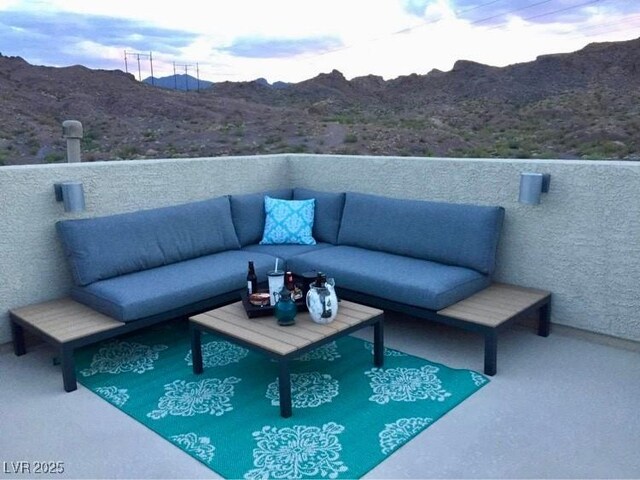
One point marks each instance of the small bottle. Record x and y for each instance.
(252, 280)
(288, 282)
(321, 280)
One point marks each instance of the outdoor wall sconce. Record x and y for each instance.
(532, 185)
(71, 194)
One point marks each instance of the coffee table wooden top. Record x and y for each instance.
(265, 332)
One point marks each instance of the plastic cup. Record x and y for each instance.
(276, 284)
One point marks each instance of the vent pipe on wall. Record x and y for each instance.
(72, 131)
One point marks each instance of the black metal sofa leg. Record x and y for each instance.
(490, 352)
(544, 320)
(17, 335)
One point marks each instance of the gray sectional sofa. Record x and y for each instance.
(397, 254)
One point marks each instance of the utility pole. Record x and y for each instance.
(138, 55)
(186, 74)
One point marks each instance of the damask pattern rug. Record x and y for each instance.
(348, 416)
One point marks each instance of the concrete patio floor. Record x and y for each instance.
(565, 406)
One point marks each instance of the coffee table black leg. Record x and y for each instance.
(284, 388)
(68, 369)
(378, 342)
(196, 350)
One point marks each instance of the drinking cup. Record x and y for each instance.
(276, 284)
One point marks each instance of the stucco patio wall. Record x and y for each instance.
(32, 265)
(582, 242)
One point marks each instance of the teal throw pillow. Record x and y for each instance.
(288, 221)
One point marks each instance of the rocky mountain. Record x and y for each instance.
(584, 104)
(182, 82)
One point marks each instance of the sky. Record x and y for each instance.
(294, 40)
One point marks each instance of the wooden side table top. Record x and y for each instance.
(496, 304)
(64, 319)
(264, 332)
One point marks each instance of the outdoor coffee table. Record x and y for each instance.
(284, 344)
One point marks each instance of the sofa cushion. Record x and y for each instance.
(104, 247)
(247, 211)
(453, 234)
(420, 283)
(285, 252)
(329, 206)
(158, 290)
(288, 222)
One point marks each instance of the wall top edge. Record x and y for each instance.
(146, 162)
(521, 161)
(151, 162)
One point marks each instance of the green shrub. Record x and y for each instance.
(54, 157)
(128, 152)
(350, 138)
(295, 149)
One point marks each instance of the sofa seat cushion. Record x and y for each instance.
(113, 245)
(158, 290)
(452, 233)
(285, 251)
(411, 281)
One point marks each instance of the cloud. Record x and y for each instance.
(60, 34)
(415, 7)
(280, 47)
(292, 40)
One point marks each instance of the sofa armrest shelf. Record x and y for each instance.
(68, 325)
(486, 312)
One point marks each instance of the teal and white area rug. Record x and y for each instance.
(348, 416)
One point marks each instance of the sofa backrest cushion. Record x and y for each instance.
(247, 211)
(109, 246)
(454, 234)
(328, 214)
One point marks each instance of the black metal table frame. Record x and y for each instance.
(66, 349)
(284, 374)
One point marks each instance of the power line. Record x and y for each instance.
(511, 11)
(186, 74)
(138, 55)
(456, 12)
(408, 29)
(600, 32)
(475, 22)
(546, 14)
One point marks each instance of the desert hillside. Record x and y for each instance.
(584, 104)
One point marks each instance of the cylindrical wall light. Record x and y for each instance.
(71, 194)
(532, 185)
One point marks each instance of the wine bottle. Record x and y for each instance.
(288, 281)
(252, 279)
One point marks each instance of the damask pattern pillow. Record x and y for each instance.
(288, 222)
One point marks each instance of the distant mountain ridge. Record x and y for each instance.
(584, 104)
(183, 82)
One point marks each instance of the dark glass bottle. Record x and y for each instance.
(252, 279)
(288, 282)
(321, 280)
